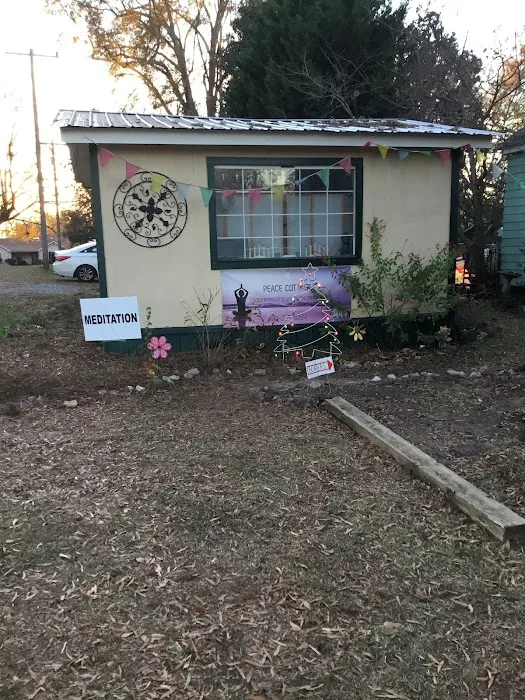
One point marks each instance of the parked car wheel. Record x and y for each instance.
(86, 273)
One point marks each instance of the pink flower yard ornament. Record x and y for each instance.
(160, 347)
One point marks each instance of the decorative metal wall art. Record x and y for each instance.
(151, 219)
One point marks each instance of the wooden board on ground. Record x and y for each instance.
(491, 514)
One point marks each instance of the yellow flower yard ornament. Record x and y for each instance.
(357, 332)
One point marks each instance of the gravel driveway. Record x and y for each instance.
(7, 289)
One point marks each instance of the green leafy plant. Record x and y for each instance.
(401, 288)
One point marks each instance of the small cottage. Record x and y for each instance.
(233, 210)
(513, 234)
(24, 252)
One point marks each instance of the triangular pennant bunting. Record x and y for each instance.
(228, 193)
(206, 195)
(367, 144)
(104, 156)
(346, 164)
(402, 153)
(131, 170)
(480, 157)
(278, 192)
(255, 196)
(444, 155)
(183, 189)
(425, 153)
(496, 171)
(324, 176)
(383, 150)
(157, 181)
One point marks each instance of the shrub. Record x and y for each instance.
(401, 288)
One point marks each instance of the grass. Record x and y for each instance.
(28, 274)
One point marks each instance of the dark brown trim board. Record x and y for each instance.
(502, 522)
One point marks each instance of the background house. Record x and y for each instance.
(29, 252)
(183, 205)
(513, 234)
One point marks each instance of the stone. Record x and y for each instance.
(188, 375)
(228, 371)
(193, 372)
(71, 404)
(429, 374)
(414, 375)
(216, 370)
(102, 392)
(391, 376)
(140, 388)
(173, 378)
(293, 371)
(475, 375)
(376, 379)
(129, 387)
(351, 365)
(456, 373)
(259, 372)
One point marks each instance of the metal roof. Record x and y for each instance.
(93, 119)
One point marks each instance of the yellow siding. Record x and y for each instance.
(412, 196)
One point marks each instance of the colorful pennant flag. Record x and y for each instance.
(383, 150)
(157, 181)
(346, 164)
(228, 193)
(278, 192)
(255, 196)
(367, 144)
(183, 189)
(444, 155)
(324, 176)
(403, 154)
(104, 156)
(206, 195)
(496, 171)
(131, 170)
(480, 157)
(425, 153)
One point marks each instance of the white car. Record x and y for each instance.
(80, 262)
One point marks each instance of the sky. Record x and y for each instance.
(74, 81)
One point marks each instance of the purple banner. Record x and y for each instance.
(274, 297)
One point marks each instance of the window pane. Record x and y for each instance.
(314, 182)
(289, 205)
(229, 205)
(258, 226)
(260, 248)
(230, 248)
(289, 247)
(263, 206)
(284, 176)
(315, 246)
(341, 180)
(313, 225)
(340, 202)
(340, 224)
(230, 227)
(228, 178)
(313, 203)
(341, 245)
(255, 178)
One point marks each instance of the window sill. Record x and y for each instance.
(269, 263)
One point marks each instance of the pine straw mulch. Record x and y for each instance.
(194, 544)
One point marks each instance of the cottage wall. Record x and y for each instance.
(411, 195)
(513, 242)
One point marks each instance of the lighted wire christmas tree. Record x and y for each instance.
(289, 335)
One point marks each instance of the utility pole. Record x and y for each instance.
(43, 227)
(57, 208)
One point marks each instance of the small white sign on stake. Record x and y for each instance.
(315, 368)
(114, 318)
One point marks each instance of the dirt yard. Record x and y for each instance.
(33, 280)
(201, 543)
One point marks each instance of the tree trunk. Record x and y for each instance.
(477, 260)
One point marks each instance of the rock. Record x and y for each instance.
(160, 382)
(187, 375)
(216, 370)
(140, 388)
(475, 375)
(294, 370)
(391, 376)
(376, 379)
(429, 374)
(173, 378)
(456, 373)
(129, 387)
(414, 375)
(228, 371)
(102, 392)
(351, 365)
(259, 372)
(71, 404)
(193, 372)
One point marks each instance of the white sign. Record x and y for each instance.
(116, 318)
(315, 368)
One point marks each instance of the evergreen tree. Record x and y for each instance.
(287, 52)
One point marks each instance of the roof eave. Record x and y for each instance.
(290, 139)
